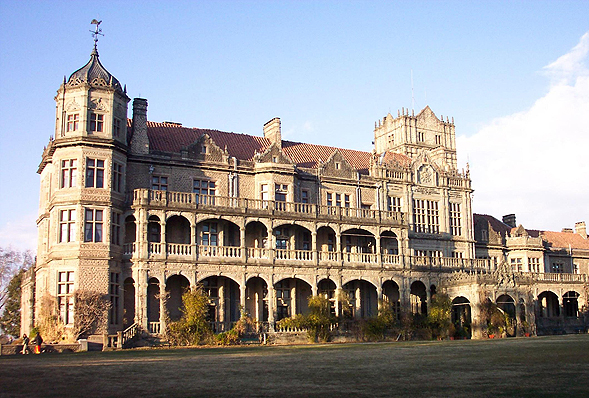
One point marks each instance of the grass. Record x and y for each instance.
(555, 366)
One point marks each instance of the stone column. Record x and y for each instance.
(242, 246)
(338, 292)
(293, 298)
(378, 250)
(193, 246)
(358, 303)
(163, 244)
(141, 298)
(338, 246)
(162, 306)
(379, 297)
(271, 306)
(242, 296)
(222, 301)
(428, 299)
(314, 247)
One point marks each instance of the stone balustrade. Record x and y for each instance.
(207, 203)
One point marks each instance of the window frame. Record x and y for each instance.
(94, 226)
(95, 172)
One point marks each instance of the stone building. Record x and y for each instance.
(134, 209)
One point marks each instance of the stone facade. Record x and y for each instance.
(134, 209)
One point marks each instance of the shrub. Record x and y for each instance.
(193, 327)
(439, 319)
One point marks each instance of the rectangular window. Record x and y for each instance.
(516, 264)
(65, 297)
(117, 177)
(346, 200)
(69, 173)
(329, 199)
(159, 183)
(455, 219)
(394, 204)
(96, 122)
(115, 228)
(338, 200)
(557, 268)
(280, 191)
(93, 226)
(209, 234)
(534, 264)
(67, 225)
(304, 196)
(426, 216)
(94, 173)
(72, 122)
(116, 127)
(438, 139)
(113, 291)
(420, 136)
(204, 190)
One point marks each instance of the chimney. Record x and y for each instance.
(272, 131)
(581, 229)
(509, 219)
(139, 140)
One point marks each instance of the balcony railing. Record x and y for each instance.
(212, 254)
(193, 201)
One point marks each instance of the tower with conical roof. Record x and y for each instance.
(83, 195)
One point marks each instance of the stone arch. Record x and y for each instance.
(178, 230)
(548, 305)
(256, 239)
(256, 298)
(153, 303)
(461, 317)
(128, 302)
(570, 304)
(213, 231)
(418, 298)
(154, 229)
(389, 243)
(176, 286)
(326, 242)
(362, 299)
(224, 301)
(328, 289)
(292, 296)
(391, 295)
(130, 229)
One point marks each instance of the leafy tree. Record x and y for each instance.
(11, 262)
(10, 320)
(90, 312)
(440, 315)
(193, 327)
(492, 315)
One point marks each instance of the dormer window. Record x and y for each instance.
(96, 123)
(274, 159)
(203, 149)
(72, 122)
(337, 165)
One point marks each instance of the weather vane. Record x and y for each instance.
(96, 32)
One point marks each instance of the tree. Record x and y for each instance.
(10, 319)
(11, 262)
(440, 315)
(90, 312)
(193, 327)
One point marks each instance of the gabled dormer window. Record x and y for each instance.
(96, 123)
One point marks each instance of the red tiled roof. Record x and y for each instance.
(564, 239)
(167, 137)
(553, 239)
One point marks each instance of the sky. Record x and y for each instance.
(513, 75)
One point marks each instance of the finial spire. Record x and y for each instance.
(97, 32)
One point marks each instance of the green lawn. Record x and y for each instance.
(556, 366)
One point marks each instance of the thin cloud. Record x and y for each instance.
(21, 234)
(534, 163)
